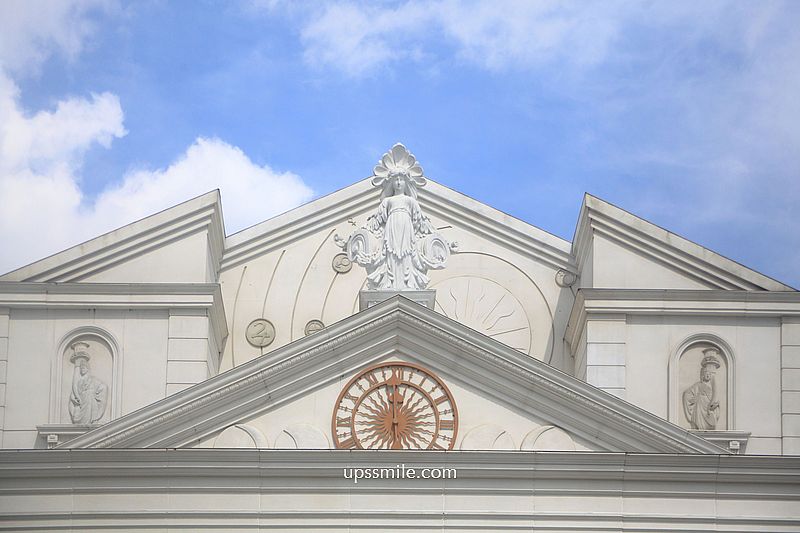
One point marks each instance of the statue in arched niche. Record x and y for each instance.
(88, 396)
(700, 402)
(398, 244)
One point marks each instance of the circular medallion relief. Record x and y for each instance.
(260, 333)
(395, 406)
(341, 263)
(565, 278)
(314, 326)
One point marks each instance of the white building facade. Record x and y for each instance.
(167, 376)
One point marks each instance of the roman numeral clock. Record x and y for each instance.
(395, 406)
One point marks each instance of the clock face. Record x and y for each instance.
(395, 406)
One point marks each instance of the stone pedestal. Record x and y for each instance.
(367, 299)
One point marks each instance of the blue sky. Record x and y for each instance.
(684, 113)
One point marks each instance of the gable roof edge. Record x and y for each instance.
(139, 237)
(437, 199)
(693, 260)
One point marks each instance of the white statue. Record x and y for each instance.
(700, 402)
(398, 244)
(89, 395)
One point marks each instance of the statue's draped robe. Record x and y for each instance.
(87, 401)
(697, 401)
(400, 266)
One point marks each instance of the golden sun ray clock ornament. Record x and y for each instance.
(395, 406)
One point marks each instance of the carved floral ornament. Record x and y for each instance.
(395, 406)
(398, 244)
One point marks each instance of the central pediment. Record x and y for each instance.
(504, 398)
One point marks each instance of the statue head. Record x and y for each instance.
(398, 173)
(709, 364)
(80, 357)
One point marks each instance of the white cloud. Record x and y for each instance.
(360, 38)
(520, 33)
(30, 30)
(45, 210)
(250, 193)
(41, 154)
(39, 157)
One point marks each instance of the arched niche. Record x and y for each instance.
(103, 363)
(701, 375)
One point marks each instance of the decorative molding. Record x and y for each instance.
(162, 296)
(597, 487)
(596, 303)
(401, 327)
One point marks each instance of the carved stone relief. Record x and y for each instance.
(703, 388)
(314, 326)
(241, 436)
(548, 438)
(302, 437)
(87, 400)
(475, 281)
(398, 244)
(565, 278)
(486, 307)
(488, 437)
(260, 333)
(341, 263)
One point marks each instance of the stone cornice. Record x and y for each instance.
(721, 474)
(77, 263)
(392, 327)
(286, 489)
(658, 244)
(678, 302)
(166, 296)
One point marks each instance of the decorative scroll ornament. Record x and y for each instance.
(395, 406)
(398, 244)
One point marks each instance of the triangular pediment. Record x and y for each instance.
(403, 330)
(438, 201)
(617, 249)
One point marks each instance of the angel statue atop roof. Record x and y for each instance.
(398, 244)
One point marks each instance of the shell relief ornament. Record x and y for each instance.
(398, 244)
